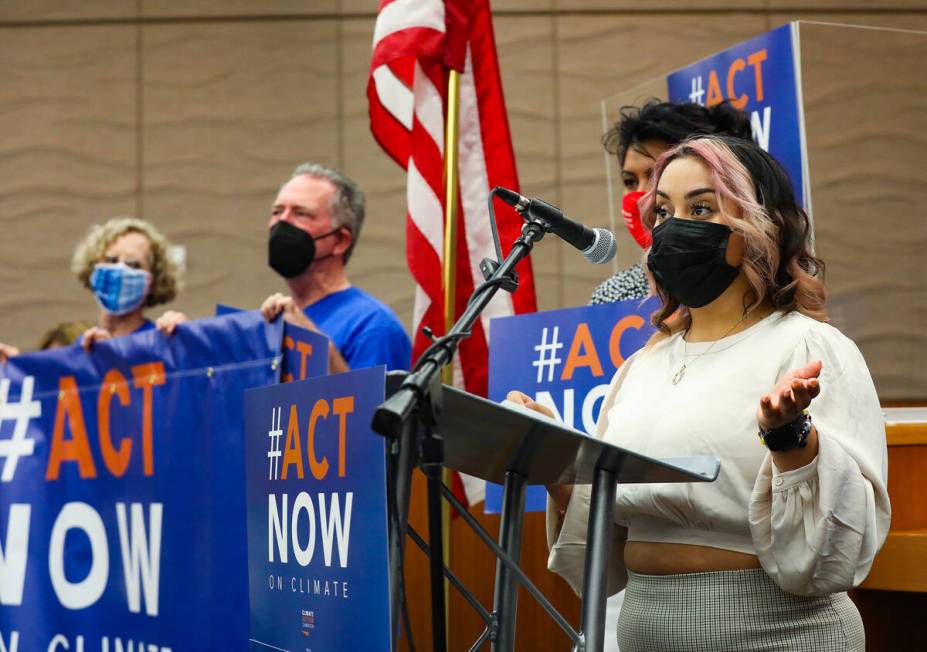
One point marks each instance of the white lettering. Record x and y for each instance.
(276, 528)
(141, 557)
(545, 399)
(589, 412)
(304, 555)
(78, 595)
(333, 525)
(14, 641)
(59, 639)
(13, 556)
(62, 641)
(760, 128)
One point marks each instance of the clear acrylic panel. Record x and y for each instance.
(865, 107)
(628, 251)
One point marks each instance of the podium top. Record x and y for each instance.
(486, 439)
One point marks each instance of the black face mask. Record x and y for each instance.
(290, 250)
(687, 260)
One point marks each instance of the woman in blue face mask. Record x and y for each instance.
(746, 368)
(125, 263)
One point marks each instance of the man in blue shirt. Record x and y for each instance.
(314, 225)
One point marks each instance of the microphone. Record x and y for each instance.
(596, 245)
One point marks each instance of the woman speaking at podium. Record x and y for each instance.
(744, 367)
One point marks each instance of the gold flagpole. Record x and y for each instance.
(449, 275)
(450, 209)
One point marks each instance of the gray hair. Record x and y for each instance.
(347, 203)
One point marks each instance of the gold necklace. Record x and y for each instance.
(677, 377)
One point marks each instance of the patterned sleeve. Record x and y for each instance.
(817, 529)
(630, 283)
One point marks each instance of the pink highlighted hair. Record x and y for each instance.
(778, 262)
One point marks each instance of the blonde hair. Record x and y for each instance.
(64, 334)
(778, 262)
(166, 279)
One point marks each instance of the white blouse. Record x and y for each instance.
(816, 529)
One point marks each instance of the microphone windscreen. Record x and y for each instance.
(510, 197)
(602, 249)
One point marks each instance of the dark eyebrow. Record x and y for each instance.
(637, 147)
(699, 191)
(690, 194)
(300, 207)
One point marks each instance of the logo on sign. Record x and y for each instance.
(308, 621)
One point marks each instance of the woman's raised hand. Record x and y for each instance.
(792, 394)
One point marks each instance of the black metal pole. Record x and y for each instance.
(417, 399)
(503, 556)
(395, 411)
(510, 535)
(436, 557)
(402, 457)
(598, 538)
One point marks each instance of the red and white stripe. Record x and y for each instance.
(416, 43)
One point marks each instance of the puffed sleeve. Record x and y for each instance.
(567, 541)
(818, 528)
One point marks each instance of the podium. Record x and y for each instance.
(515, 446)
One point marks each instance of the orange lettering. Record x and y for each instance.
(614, 340)
(714, 90)
(288, 344)
(294, 449)
(319, 468)
(343, 407)
(736, 67)
(589, 357)
(116, 460)
(756, 60)
(146, 377)
(305, 350)
(76, 449)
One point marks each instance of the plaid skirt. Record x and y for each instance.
(736, 611)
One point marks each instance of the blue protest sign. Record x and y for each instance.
(565, 360)
(760, 77)
(122, 497)
(305, 353)
(316, 496)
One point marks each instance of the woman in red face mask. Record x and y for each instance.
(637, 139)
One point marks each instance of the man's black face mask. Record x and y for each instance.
(290, 250)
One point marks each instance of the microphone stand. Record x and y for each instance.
(409, 419)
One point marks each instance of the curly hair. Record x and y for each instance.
(778, 261)
(671, 123)
(63, 334)
(166, 278)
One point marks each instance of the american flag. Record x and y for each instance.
(415, 45)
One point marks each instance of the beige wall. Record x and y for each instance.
(190, 112)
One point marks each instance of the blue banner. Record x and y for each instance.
(317, 530)
(564, 359)
(305, 352)
(758, 76)
(122, 497)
